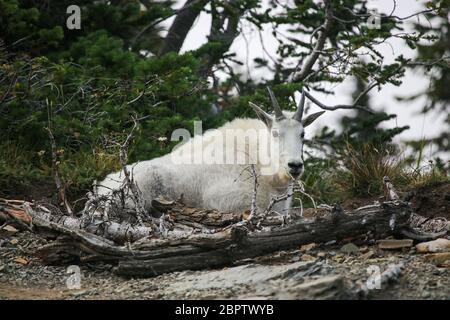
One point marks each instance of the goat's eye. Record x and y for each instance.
(302, 135)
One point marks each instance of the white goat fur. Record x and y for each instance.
(225, 187)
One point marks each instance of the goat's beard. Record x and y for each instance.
(293, 178)
(280, 178)
(283, 178)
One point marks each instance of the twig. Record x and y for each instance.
(389, 190)
(253, 208)
(288, 206)
(301, 189)
(123, 157)
(59, 184)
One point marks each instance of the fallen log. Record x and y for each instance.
(376, 220)
(199, 238)
(226, 243)
(24, 214)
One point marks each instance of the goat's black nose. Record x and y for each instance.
(295, 165)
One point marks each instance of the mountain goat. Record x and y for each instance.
(209, 171)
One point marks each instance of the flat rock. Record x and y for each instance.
(328, 287)
(237, 276)
(323, 288)
(441, 258)
(394, 244)
(438, 245)
(299, 280)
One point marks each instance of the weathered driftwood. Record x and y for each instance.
(198, 238)
(25, 215)
(226, 242)
(378, 220)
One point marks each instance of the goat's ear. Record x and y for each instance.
(262, 115)
(311, 118)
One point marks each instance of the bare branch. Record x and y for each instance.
(366, 15)
(55, 165)
(123, 156)
(372, 85)
(412, 15)
(340, 106)
(253, 209)
(312, 58)
(428, 63)
(301, 188)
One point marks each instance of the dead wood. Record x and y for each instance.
(226, 243)
(198, 238)
(56, 174)
(419, 236)
(240, 244)
(26, 215)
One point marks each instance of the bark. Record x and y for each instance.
(238, 243)
(225, 243)
(198, 238)
(28, 216)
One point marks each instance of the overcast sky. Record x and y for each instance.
(248, 46)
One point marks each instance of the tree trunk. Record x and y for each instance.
(181, 26)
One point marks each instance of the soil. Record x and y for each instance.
(431, 201)
(328, 271)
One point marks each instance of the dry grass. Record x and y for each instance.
(429, 175)
(365, 166)
(359, 172)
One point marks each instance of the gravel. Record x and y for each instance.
(321, 272)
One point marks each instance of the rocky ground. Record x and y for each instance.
(327, 271)
(311, 271)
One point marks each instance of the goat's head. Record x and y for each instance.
(288, 130)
